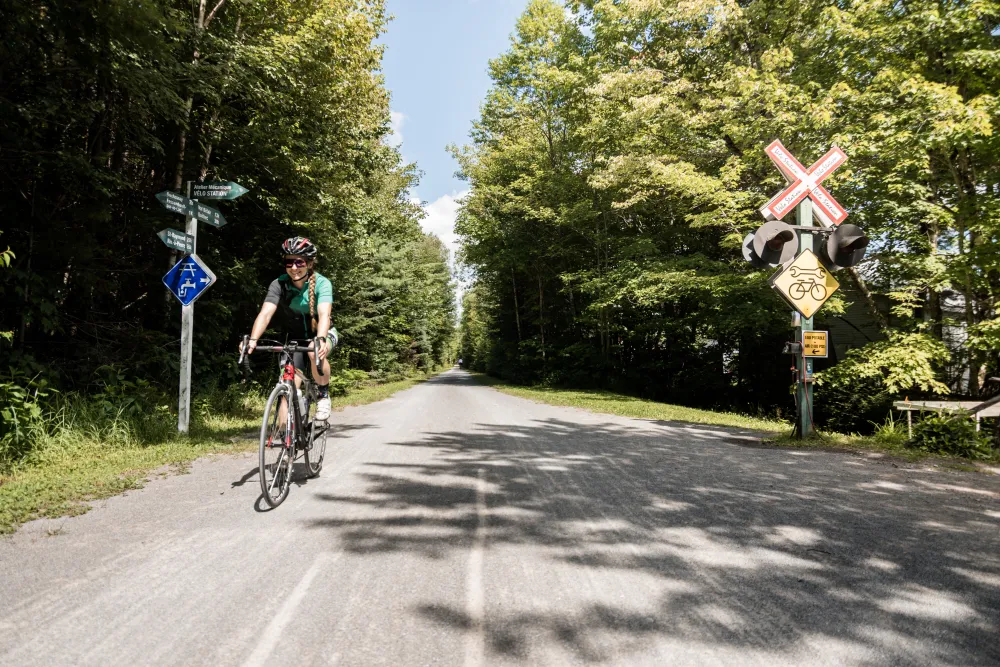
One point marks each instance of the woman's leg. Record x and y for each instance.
(322, 378)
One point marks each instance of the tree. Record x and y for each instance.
(618, 164)
(104, 104)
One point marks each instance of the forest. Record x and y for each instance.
(619, 162)
(105, 103)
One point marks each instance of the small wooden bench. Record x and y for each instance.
(978, 409)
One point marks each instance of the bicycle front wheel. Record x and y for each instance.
(277, 453)
(317, 450)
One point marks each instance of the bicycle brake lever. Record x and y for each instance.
(243, 350)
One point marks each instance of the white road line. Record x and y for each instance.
(475, 639)
(281, 619)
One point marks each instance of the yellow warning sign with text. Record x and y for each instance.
(814, 344)
(805, 283)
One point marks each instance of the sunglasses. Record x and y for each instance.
(299, 263)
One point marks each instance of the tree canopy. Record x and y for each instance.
(618, 164)
(104, 103)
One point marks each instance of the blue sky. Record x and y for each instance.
(435, 64)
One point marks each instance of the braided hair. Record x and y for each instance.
(312, 299)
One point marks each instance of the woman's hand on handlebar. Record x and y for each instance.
(247, 346)
(324, 348)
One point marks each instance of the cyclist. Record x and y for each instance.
(302, 299)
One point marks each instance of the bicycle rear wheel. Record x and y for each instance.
(277, 454)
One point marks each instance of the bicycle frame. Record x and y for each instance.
(288, 378)
(287, 366)
(300, 432)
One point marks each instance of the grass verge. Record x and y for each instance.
(775, 432)
(629, 406)
(81, 464)
(892, 445)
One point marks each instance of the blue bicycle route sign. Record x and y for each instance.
(188, 279)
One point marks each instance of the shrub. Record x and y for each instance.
(891, 432)
(951, 434)
(22, 416)
(860, 389)
(346, 380)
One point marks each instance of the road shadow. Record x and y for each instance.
(300, 473)
(774, 552)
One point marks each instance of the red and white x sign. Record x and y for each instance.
(805, 183)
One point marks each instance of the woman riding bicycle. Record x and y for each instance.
(303, 300)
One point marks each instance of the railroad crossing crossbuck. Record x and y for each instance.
(805, 183)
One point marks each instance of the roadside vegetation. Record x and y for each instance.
(618, 164)
(607, 402)
(946, 437)
(106, 104)
(84, 453)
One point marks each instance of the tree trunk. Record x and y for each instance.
(22, 334)
(541, 313)
(932, 312)
(209, 130)
(517, 308)
(182, 131)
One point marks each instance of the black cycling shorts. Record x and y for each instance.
(301, 359)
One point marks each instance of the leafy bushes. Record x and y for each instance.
(119, 411)
(950, 434)
(860, 389)
(22, 416)
(349, 378)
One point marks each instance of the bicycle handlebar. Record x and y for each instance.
(280, 348)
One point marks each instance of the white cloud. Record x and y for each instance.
(395, 136)
(441, 215)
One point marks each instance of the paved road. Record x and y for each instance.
(455, 525)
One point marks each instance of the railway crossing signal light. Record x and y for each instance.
(773, 244)
(845, 247)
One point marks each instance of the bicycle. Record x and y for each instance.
(286, 438)
(814, 289)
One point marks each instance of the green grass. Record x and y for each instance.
(81, 462)
(888, 440)
(629, 406)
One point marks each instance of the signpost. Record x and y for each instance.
(175, 203)
(804, 183)
(804, 279)
(190, 277)
(209, 215)
(805, 283)
(177, 240)
(218, 190)
(815, 344)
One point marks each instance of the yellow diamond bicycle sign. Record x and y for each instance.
(805, 283)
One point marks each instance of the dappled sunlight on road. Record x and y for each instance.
(769, 555)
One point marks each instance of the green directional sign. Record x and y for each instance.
(175, 203)
(209, 215)
(177, 240)
(180, 204)
(217, 190)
